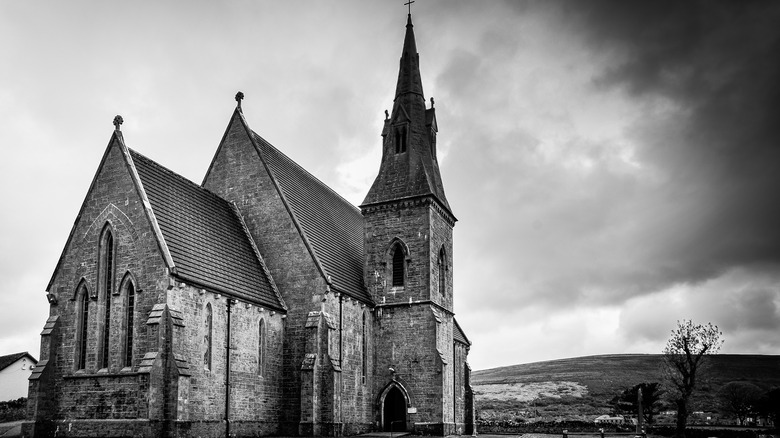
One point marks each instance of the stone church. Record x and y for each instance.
(259, 302)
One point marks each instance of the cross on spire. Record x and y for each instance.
(409, 3)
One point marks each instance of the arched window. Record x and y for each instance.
(261, 348)
(364, 350)
(442, 272)
(129, 322)
(398, 265)
(82, 322)
(207, 326)
(106, 282)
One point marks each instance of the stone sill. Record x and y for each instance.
(125, 372)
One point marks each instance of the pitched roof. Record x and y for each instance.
(458, 335)
(9, 359)
(206, 237)
(332, 226)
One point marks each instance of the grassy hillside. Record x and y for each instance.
(582, 387)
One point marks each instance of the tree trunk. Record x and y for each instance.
(682, 418)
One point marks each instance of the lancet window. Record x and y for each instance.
(106, 281)
(398, 270)
(129, 322)
(207, 329)
(82, 318)
(261, 348)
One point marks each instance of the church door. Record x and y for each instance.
(394, 410)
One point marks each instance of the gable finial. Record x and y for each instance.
(118, 120)
(239, 98)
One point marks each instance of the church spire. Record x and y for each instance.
(409, 72)
(409, 167)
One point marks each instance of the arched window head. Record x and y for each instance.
(128, 291)
(261, 349)
(399, 268)
(442, 271)
(207, 330)
(82, 323)
(106, 275)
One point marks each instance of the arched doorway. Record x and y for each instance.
(394, 411)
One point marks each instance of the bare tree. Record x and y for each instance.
(685, 356)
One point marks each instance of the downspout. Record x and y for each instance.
(230, 302)
(341, 364)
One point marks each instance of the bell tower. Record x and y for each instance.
(408, 267)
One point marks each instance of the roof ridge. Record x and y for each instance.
(176, 175)
(319, 181)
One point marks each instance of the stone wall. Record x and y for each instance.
(255, 388)
(413, 325)
(355, 397)
(116, 391)
(238, 175)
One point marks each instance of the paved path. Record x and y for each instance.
(11, 429)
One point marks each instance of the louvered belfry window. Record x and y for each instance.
(398, 266)
(400, 139)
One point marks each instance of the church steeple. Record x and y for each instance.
(409, 72)
(409, 167)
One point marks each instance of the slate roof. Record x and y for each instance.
(332, 225)
(458, 335)
(206, 237)
(9, 359)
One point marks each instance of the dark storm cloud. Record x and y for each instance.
(580, 227)
(719, 63)
(716, 66)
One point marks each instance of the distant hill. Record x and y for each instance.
(586, 384)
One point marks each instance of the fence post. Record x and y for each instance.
(565, 433)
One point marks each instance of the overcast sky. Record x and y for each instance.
(614, 165)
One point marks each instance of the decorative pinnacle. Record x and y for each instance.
(387, 115)
(239, 98)
(118, 120)
(431, 102)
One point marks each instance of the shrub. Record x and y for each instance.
(13, 409)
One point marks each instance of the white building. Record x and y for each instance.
(607, 419)
(15, 369)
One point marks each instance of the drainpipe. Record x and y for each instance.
(341, 364)
(230, 302)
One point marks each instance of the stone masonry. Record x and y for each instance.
(259, 302)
